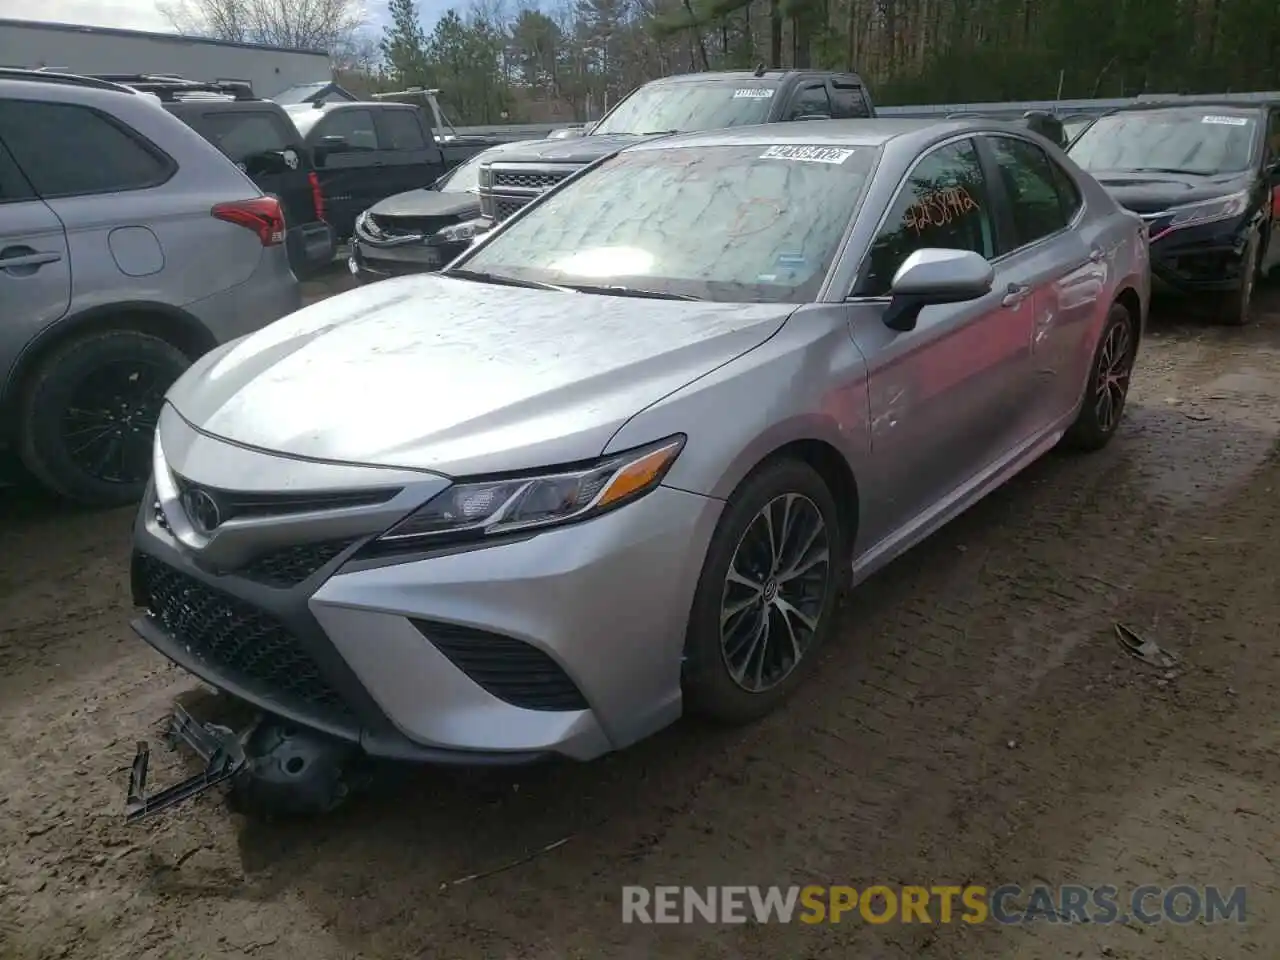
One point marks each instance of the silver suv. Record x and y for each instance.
(129, 246)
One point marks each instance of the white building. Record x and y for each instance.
(106, 50)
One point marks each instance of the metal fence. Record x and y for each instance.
(1016, 108)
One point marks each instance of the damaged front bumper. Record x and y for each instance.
(221, 749)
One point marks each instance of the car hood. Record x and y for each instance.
(1154, 192)
(583, 149)
(427, 203)
(433, 373)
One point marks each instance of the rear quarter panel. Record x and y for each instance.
(161, 243)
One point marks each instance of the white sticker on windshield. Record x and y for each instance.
(753, 93)
(1229, 121)
(807, 154)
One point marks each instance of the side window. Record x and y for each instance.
(67, 150)
(400, 130)
(354, 126)
(942, 203)
(1068, 193)
(847, 101)
(242, 135)
(811, 99)
(13, 185)
(1033, 192)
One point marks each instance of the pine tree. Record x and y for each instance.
(404, 44)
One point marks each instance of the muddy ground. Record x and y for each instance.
(974, 722)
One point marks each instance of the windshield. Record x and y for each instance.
(1203, 142)
(734, 223)
(305, 118)
(687, 107)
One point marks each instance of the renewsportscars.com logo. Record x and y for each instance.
(1006, 904)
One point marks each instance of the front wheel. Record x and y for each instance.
(1108, 386)
(1239, 303)
(767, 595)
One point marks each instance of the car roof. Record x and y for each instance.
(744, 76)
(853, 133)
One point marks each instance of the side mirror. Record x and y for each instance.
(813, 116)
(931, 276)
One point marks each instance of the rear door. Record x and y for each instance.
(1056, 270)
(265, 145)
(35, 274)
(409, 157)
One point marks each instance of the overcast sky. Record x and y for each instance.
(143, 15)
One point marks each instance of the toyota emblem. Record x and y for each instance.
(202, 510)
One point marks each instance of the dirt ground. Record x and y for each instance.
(974, 722)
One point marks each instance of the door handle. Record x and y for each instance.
(1097, 255)
(28, 260)
(1015, 294)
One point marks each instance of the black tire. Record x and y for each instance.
(144, 366)
(710, 689)
(1112, 369)
(1237, 307)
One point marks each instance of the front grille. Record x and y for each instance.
(289, 566)
(509, 669)
(526, 181)
(236, 503)
(235, 639)
(504, 207)
(396, 227)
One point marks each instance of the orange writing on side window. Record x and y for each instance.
(938, 209)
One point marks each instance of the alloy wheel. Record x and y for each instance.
(774, 592)
(107, 428)
(1115, 365)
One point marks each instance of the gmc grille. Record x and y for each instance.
(527, 181)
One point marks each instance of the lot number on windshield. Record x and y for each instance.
(807, 154)
(753, 93)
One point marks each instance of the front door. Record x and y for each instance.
(35, 272)
(1271, 170)
(942, 397)
(348, 162)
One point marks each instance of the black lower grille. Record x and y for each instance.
(234, 638)
(511, 670)
(504, 207)
(289, 566)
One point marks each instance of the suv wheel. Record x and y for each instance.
(88, 415)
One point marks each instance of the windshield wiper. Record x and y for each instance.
(1176, 170)
(659, 133)
(481, 277)
(612, 291)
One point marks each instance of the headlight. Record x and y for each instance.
(362, 222)
(485, 178)
(485, 508)
(461, 232)
(1207, 211)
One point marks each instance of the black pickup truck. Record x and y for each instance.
(679, 104)
(366, 152)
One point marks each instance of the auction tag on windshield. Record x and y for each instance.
(807, 154)
(1229, 121)
(753, 93)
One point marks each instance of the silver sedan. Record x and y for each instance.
(618, 459)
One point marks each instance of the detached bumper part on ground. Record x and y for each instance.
(466, 654)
